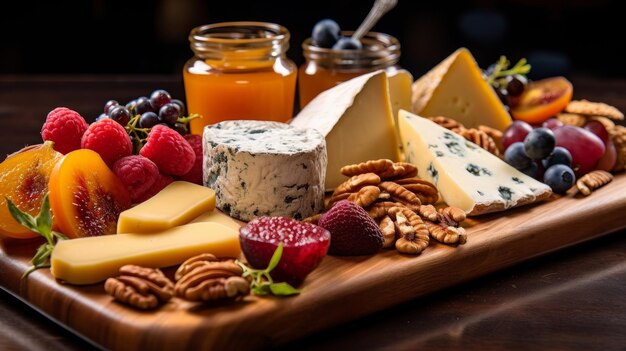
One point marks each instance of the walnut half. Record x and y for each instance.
(140, 287)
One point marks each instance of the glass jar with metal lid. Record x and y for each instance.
(325, 68)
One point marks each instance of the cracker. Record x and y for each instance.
(618, 136)
(585, 107)
(572, 119)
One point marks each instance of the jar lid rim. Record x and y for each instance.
(273, 32)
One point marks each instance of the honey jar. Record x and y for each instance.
(324, 68)
(239, 71)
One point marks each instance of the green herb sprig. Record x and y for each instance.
(501, 70)
(41, 224)
(262, 282)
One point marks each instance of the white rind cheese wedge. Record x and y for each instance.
(260, 168)
(355, 117)
(456, 89)
(467, 176)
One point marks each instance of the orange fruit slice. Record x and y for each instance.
(543, 99)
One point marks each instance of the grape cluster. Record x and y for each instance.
(138, 116)
(327, 34)
(509, 83)
(529, 149)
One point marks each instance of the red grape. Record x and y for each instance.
(607, 161)
(517, 131)
(598, 129)
(586, 148)
(552, 123)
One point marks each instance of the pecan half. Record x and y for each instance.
(426, 191)
(454, 213)
(356, 182)
(413, 235)
(429, 212)
(365, 196)
(400, 194)
(371, 166)
(447, 234)
(388, 228)
(593, 180)
(140, 287)
(206, 280)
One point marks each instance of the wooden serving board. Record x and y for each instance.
(341, 289)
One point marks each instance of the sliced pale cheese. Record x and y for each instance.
(93, 259)
(218, 217)
(355, 117)
(400, 82)
(456, 89)
(177, 204)
(467, 176)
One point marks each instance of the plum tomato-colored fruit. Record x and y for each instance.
(517, 131)
(86, 197)
(305, 245)
(586, 148)
(543, 99)
(552, 123)
(598, 129)
(607, 161)
(24, 180)
(539, 143)
(352, 230)
(559, 178)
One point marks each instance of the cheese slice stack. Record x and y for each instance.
(456, 89)
(356, 119)
(467, 176)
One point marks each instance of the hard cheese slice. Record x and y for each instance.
(467, 176)
(456, 89)
(93, 259)
(355, 117)
(218, 217)
(178, 203)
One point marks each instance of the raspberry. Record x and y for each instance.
(162, 180)
(137, 173)
(169, 150)
(352, 230)
(305, 245)
(109, 139)
(65, 128)
(195, 174)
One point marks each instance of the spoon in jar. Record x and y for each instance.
(379, 8)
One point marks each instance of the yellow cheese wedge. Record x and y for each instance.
(400, 82)
(93, 259)
(177, 204)
(355, 118)
(456, 89)
(218, 217)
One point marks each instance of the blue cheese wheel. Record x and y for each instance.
(260, 168)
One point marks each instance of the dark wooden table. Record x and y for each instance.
(573, 299)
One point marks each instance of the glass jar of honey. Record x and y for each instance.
(324, 68)
(239, 71)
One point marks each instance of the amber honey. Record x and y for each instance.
(325, 68)
(239, 71)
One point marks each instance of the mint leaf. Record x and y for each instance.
(278, 253)
(283, 289)
(22, 218)
(44, 219)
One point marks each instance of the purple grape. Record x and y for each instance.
(110, 105)
(143, 105)
(159, 98)
(148, 120)
(121, 115)
(169, 113)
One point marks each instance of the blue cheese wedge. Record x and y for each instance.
(467, 176)
(260, 168)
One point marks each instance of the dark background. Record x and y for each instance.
(150, 37)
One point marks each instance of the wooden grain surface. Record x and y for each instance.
(342, 288)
